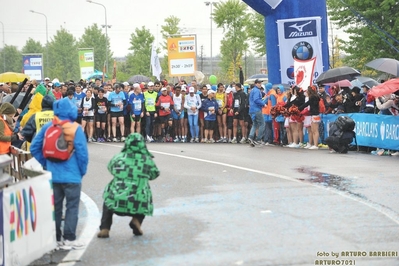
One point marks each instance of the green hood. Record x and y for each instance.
(135, 143)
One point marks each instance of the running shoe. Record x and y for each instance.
(243, 141)
(123, 139)
(114, 140)
(196, 140)
(307, 146)
(313, 148)
(294, 145)
(234, 141)
(68, 245)
(224, 140)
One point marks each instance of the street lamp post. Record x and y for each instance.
(4, 46)
(106, 33)
(48, 66)
(211, 5)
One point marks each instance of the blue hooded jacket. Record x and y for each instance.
(255, 101)
(73, 170)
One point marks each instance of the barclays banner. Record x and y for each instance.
(300, 41)
(379, 131)
(33, 66)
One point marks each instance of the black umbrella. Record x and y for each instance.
(366, 81)
(337, 74)
(387, 65)
(18, 100)
(138, 79)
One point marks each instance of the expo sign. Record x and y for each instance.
(23, 213)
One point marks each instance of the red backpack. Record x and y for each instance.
(58, 140)
(322, 107)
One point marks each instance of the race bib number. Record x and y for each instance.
(102, 109)
(236, 103)
(137, 105)
(165, 105)
(150, 102)
(191, 103)
(117, 101)
(220, 103)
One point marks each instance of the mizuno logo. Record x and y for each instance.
(299, 27)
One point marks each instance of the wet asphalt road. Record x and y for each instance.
(229, 204)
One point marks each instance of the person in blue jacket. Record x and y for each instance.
(210, 108)
(256, 103)
(67, 175)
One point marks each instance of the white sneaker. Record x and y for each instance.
(68, 245)
(395, 153)
(114, 140)
(234, 141)
(123, 139)
(59, 245)
(148, 139)
(151, 139)
(243, 141)
(211, 141)
(313, 148)
(307, 146)
(294, 145)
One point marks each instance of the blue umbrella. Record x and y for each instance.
(96, 74)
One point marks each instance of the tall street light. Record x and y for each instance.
(106, 33)
(48, 66)
(3, 52)
(211, 5)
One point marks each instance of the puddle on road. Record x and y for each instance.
(327, 180)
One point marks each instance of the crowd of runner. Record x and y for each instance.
(181, 112)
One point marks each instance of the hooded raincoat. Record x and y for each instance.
(129, 191)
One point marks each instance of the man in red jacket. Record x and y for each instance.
(164, 106)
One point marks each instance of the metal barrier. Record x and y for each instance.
(18, 159)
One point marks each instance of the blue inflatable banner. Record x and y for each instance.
(379, 131)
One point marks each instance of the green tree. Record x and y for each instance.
(122, 72)
(63, 56)
(32, 47)
(13, 59)
(94, 38)
(171, 27)
(231, 15)
(367, 40)
(138, 61)
(256, 33)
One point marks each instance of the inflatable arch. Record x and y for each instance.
(294, 29)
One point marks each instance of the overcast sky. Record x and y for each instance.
(123, 15)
